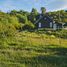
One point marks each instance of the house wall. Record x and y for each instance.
(39, 24)
(59, 26)
(43, 25)
(51, 24)
(45, 22)
(54, 26)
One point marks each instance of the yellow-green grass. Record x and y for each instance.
(34, 39)
(28, 49)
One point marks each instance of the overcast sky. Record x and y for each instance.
(50, 5)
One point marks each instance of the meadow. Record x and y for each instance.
(23, 44)
(33, 49)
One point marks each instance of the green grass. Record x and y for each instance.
(33, 57)
(27, 49)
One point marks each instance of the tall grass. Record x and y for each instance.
(30, 49)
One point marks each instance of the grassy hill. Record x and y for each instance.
(32, 49)
(20, 47)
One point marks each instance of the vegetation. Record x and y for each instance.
(29, 49)
(21, 45)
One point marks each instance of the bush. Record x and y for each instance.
(7, 30)
(28, 26)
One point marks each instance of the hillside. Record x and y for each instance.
(26, 49)
(22, 45)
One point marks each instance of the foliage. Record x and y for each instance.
(33, 15)
(43, 10)
(29, 49)
(28, 26)
(40, 48)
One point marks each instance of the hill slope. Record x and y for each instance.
(28, 49)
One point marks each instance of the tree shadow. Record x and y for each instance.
(59, 51)
(59, 59)
(42, 60)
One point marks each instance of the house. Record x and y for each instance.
(59, 25)
(45, 21)
(65, 26)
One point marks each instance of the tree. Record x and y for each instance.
(28, 26)
(43, 10)
(34, 11)
(33, 14)
(13, 12)
(14, 21)
(21, 18)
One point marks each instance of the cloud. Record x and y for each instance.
(51, 5)
(57, 5)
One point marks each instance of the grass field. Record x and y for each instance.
(27, 49)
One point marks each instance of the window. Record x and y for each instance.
(54, 27)
(39, 25)
(50, 24)
(45, 18)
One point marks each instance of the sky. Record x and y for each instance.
(27, 5)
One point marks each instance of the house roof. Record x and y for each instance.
(65, 24)
(45, 17)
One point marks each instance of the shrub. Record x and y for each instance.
(28, 26)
